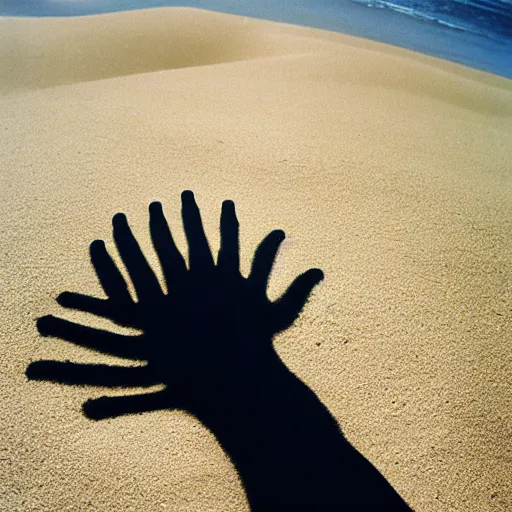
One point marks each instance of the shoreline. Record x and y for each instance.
(350, 18)
(128, 48)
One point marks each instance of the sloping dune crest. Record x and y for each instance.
(40, 53)
(68, 50)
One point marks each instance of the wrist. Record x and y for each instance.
(239, 386)
(253, 377)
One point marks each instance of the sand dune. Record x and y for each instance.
(62, 51)
(387, 169)
(38, 53)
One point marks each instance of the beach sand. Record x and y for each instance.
(389, 170)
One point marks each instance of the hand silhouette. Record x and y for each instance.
(213, 327)
(208, 340)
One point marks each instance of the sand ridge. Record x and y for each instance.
(47, 52)
(62, 51)
(388, 170)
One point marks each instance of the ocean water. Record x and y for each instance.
(487, 18)
(476, 33)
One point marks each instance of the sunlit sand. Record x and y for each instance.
(389, 170)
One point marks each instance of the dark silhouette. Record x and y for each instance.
(209, 340)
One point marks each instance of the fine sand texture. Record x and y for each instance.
(389, 170)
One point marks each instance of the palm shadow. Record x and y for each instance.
(288, 449)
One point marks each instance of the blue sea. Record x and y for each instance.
(476, 33)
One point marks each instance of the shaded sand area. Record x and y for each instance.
(389, 170)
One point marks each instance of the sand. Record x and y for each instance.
(387, 169)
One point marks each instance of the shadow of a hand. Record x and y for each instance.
(213, 327)
(208, 340)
